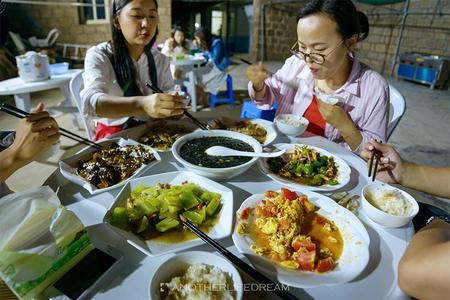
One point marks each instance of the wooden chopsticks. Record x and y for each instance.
(185, 112)
(376, 155)
(18, 113)
(256, 275)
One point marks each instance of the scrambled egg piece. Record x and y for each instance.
(281, 221)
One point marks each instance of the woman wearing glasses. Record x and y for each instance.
(323, 64)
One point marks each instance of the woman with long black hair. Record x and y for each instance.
(116, 72)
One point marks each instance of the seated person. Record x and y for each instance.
(177, 43)
(424, 270)
(116, 72)
(323, 60)
(211, 76)
(35, 135)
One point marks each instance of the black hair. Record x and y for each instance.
(185, 44)
(349, 20)
(121, 60)
(205, 36)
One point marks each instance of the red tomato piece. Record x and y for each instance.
(321, 220)
(306, 243)
(288, 194)
(306, 259)
(325, 265)
(245, 213)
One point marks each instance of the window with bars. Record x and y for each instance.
(94, 11)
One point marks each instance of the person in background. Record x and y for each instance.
(35, 135)
(323, 61)
(116, 72)
(424, 270)
(213, 75)
(177, 41)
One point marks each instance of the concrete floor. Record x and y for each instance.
(422, 135)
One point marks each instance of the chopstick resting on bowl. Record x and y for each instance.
(256, 275)
(18, 113)
(376, 154)
(185, 112)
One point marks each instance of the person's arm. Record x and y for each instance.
(265, 89)
(424, 270)
(372, 122)
(432, 180)
(34, 136)
(393, 169)
(98, 100)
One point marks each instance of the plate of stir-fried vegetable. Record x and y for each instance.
(307, 166)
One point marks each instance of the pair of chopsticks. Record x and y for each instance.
(256, 275)
(376, 155)
(250, 63)
(185, 112)
(18, 113)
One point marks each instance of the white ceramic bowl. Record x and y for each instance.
(286, 124)
(216, 173)
(380, 217)
(179, 263)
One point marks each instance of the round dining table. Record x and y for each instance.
(131, 277)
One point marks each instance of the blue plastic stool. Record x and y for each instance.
(249, 110)
(224, 97)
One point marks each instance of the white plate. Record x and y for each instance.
(343, 169)
(68, 166)
(178, 264)
(267, 125)
(152, 248)
(137, 132)
(354, 258)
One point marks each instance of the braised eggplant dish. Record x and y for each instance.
(110, 166)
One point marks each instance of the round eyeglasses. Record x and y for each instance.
(315, 57)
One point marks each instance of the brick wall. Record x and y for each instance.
(67, 20)
(423, 33)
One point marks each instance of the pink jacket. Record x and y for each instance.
(365, 94)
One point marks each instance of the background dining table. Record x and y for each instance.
(131, 278)
(190, 65)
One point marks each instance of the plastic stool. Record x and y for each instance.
(249, 110)
(224, 97)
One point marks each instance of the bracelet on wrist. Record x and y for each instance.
(443, 218)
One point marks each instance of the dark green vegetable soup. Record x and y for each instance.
(193, 151)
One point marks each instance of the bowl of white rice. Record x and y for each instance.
(196, 275)
(387, 205)
(290, 124)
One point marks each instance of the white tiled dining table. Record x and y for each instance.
(131, 278)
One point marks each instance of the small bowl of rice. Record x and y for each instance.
(196, 275)
(291, 125)
(387, 205)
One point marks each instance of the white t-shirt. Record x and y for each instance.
(100, 79)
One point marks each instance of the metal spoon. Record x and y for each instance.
(224, 151)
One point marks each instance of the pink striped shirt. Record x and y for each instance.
(365, 97)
